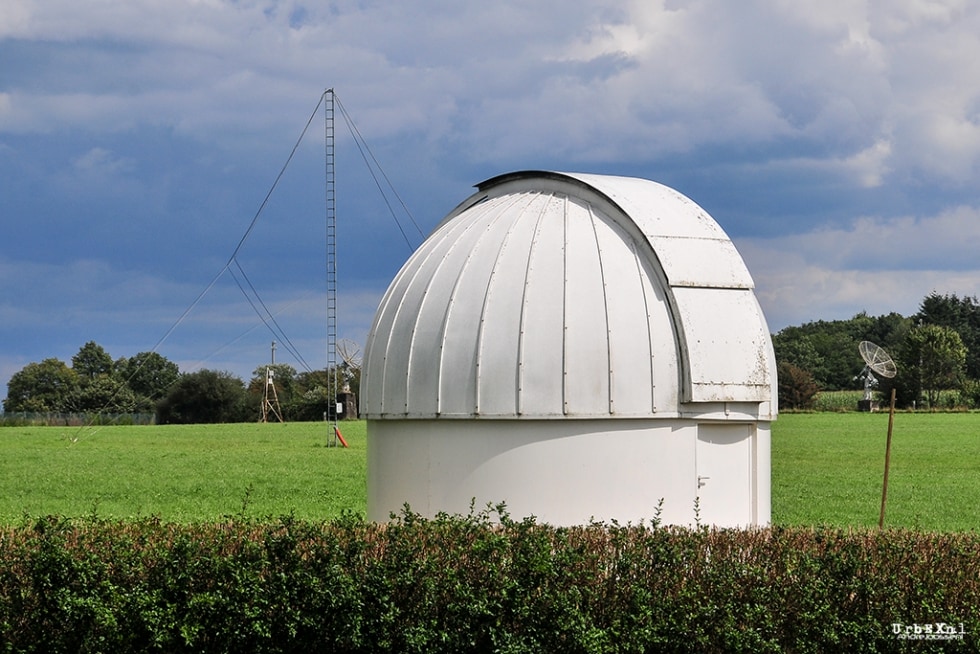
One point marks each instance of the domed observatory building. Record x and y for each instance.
(579, 347)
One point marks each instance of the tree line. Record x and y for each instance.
(95, 383)
(936, 352)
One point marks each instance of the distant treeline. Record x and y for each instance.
(96, 386)
(936, 351)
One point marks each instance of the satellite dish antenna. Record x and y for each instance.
(876, 359)
(350, 355)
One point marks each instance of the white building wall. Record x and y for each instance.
(568, 472)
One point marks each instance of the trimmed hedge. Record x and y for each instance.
(476, 584)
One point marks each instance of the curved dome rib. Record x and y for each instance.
(610, 377)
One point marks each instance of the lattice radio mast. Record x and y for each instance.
(331, 224)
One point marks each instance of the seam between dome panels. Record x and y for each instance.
(610, 402)
(564, 307)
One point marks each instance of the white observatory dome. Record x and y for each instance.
(577, 346)
(556, 295)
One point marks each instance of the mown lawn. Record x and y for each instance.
(826, 469)
(182, 473)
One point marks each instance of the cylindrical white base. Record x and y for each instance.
(570, 472)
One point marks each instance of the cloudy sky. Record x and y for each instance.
(837, 142)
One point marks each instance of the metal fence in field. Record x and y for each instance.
(25, 419)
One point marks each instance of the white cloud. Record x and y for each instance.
(796, 295)
(874, 264)
(947, 241)
(14, 17)
(869, 166)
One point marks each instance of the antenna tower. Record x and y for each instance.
(270, 397)
(331, 224)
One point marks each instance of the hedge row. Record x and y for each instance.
(476, 584)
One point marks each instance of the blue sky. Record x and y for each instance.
(836, 142)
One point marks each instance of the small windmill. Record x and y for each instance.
(877, 362)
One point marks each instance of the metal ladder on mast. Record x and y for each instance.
(331, 227)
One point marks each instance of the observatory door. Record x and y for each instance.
(725, 488)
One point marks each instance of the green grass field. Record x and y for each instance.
(826, 469)
(181, 473)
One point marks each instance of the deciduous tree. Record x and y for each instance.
(149, 375)
(104, 394)
(933, 359)
(42, 387)
(91, 361)
(206, 396)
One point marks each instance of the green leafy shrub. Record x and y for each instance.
(479, 583)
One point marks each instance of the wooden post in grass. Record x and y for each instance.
(888, 453)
